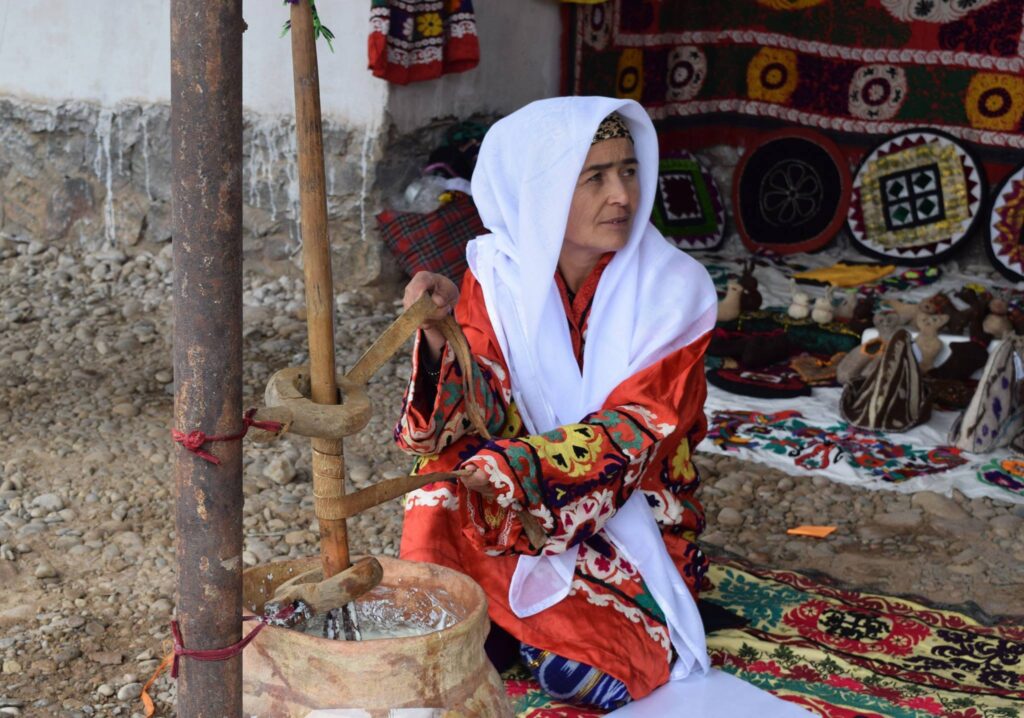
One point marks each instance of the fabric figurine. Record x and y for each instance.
(822, 310)
(995, 415)
(800, 306)
(906, 311)
(927, 339)
(892, 396)
(997, 321)
(958, 318)
(857, 361)
(751, 299)
(730, 306)
(847, 303)
(863, 313)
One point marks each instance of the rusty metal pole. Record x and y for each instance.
(328, 456)
(206, 204)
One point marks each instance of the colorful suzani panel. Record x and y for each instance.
(870, 454)
(1006, 224)
(843, 654)
(1006, 474)
(688, 206)
(916, 198)
(872, 68)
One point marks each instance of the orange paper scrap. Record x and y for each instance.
(814, 531)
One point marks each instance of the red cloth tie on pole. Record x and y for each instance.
(222, 654)
(194, 440)
(213, 654)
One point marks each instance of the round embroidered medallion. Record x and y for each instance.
(1005, 226)
(687, 68)
(877, 92)
(688, 207)
(916, 198)
(790, 193)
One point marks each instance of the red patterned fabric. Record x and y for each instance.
(417, 40)
(435, 241)
(873, 68)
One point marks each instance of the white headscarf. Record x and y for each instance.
(651, 300)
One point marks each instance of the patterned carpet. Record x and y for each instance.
(845, 654)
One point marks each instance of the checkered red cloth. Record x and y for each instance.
(435, 241)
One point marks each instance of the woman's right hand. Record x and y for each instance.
(445, 295)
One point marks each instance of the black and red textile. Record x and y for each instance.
(434, 241)
(1006, 225)
(790, 194)
(417, 40)
(688, 207)
(917, 198)
(860, 68)
(775, 382)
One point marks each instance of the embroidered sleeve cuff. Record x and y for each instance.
(421, 424)
(492, 524)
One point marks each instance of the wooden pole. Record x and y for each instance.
(206, 207)
(328, 462)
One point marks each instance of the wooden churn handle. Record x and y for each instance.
(386, 346)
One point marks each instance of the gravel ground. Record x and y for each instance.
(86, 514)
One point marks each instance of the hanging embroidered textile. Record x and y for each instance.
(791, 193)
(853, 67)
(688, 207)
(1005, 226)
(916, 198)
(417, 40)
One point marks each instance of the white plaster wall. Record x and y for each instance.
(520, 43)
(53, 51)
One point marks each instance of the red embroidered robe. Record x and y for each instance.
(572, 479)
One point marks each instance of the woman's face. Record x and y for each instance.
(604, 201)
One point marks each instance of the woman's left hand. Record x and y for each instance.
(478, 482)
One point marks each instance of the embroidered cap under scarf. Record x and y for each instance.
(611, 127)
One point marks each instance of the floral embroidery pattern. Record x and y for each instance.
(845, 654)
(1005, 474)
(869, 452)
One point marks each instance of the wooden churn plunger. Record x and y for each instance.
(306, 400)
(328, 461)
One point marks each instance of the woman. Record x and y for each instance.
(588, 332)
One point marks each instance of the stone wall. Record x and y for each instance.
(99, 178)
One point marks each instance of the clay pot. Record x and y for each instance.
(287, 673)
